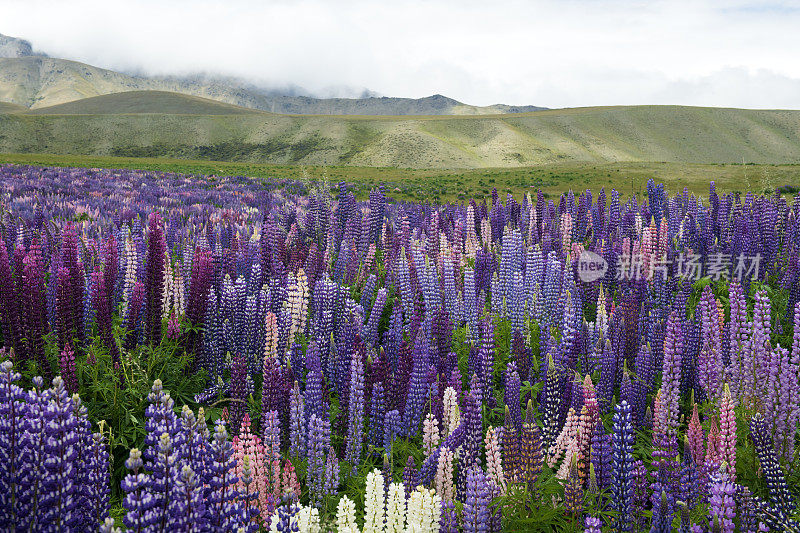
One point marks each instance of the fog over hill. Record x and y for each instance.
(35, 80)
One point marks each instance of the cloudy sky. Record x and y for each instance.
(554, 53)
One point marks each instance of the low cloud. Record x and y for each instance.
(553, 53)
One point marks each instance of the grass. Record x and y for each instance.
(434, 185)
(127, 125)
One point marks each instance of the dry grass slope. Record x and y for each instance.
(583, 135)
(135, 102)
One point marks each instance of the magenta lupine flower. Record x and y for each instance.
(11, 317)
(67, 365)
(71, 287)
(173, 326)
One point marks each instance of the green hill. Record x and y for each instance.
(584, 135)
(133, 102)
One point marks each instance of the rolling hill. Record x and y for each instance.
(135, 102)
(583, 135)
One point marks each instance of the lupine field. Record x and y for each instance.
(184, 353)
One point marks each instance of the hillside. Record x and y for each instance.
(144, 102)
(11, 108)
(590, 135)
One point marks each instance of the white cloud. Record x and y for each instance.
(553, 53)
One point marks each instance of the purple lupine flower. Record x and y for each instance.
(70, 302)
(550, 403)
(377, 416)
(600, 455)
(690, 478)
(238, 391)
(316, 446)
(662, 514)
(622, 438)
(722, 508)
(592, 524)
(476, 505)
(187, 509)
(154, 279)
(409, 475)
(13, 409)
(486, 364)
(773, 473)
(448, 518)
(512, 395)
(222, 508)
(671, 373)
(522, 355)
(297, 422)
(642, 386)
(96, 490)
(11, 317)
(34, 302)
(412, 415)
(391, 428)
(355, 402)
(139, 499)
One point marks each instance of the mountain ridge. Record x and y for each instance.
(36, 80)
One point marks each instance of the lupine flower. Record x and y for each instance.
(375, 503)
(67, 364)
(727, 444)
(494, 465)
(773, 473)
(396, 508)
(573, 491)
(476, 505)
(622, 437)
(430, 434)
(423, 510)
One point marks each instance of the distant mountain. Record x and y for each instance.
(13, 47)
(35, 80)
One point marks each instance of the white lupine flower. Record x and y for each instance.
(375, 503)
(308, 520)
(297, 303)
(346, 516)
(396, 508)
(166, 295)
(451, 415)
(423, 511)
(131, 263)
(178, 294)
